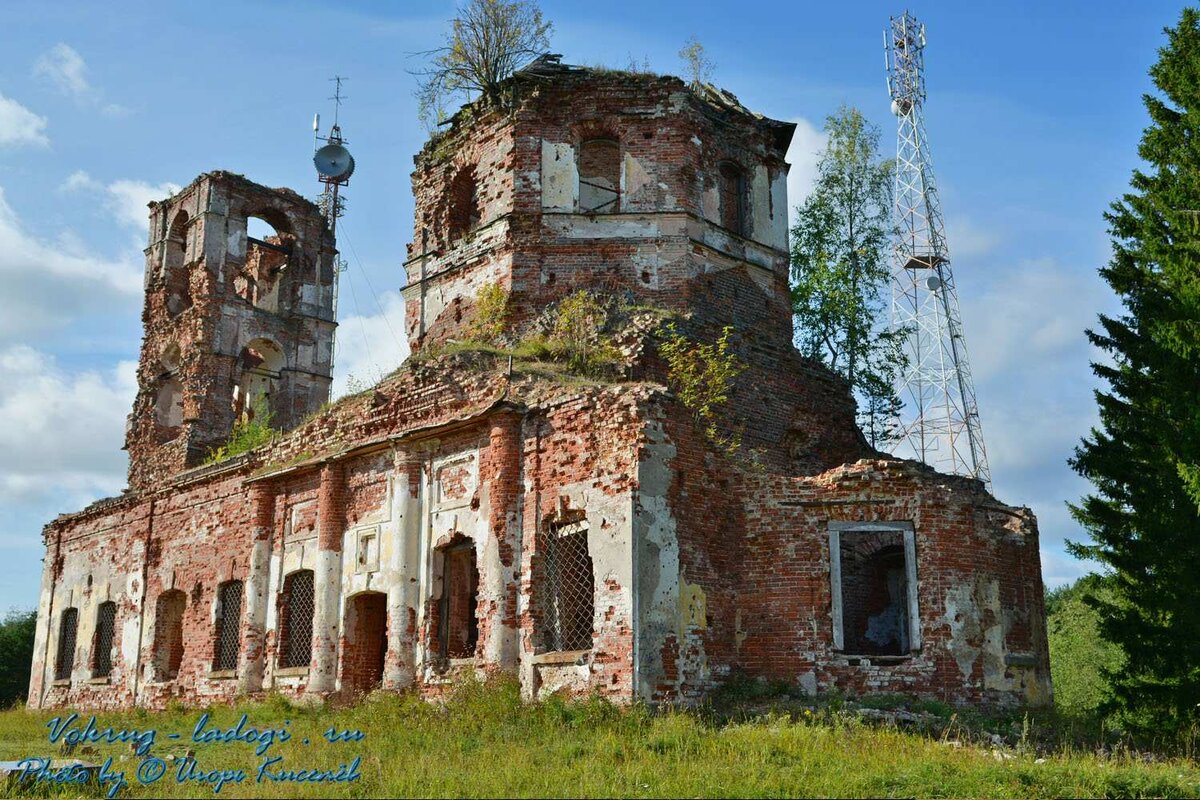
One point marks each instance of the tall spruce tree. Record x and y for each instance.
(840, 271)
(1144, 514)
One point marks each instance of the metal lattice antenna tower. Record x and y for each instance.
(939, 424)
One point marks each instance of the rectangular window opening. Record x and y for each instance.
(458, 623)
(568, 587)
(227, 636)
(873, 571)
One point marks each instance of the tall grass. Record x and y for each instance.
(483, 741)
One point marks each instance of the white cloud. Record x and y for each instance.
(65, 69)
(128, 199)
(62, 431)
(20, 126)
(807, 144)
(968, 239)
(369, 347)
(1030, 317)
(125, 199)
(48, 284)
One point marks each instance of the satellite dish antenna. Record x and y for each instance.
(334, 161)
(933, 282)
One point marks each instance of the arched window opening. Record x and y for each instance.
(465, 208)
(169, 358)
(567, 587)
(600, 177)
(227, 635)
(261, 362)
(175, 272)
(267, 253)
(296, 608)
(68, 626)
(168, 408)
(168, 634)
(731, 194)
(457, 621)
(102, 641)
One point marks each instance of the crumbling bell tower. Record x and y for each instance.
(235, 325)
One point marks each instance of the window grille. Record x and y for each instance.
(228, 638)
(297, 605)
(106, 618)
(65, 659)
(569, 587)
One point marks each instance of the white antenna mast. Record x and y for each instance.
(334, 166)
(940, 420)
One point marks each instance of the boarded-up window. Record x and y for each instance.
(296, 607)
(568, 587)
(731, 193)
(168, 634)
(458, 627)
(600, 177)
(68, 625)
(102, 641)
(227, 638)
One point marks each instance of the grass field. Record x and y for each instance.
(485, 742)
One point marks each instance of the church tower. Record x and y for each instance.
(238, 320)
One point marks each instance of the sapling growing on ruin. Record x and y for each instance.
(487, 42)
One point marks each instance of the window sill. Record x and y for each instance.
(577, 657)
(221, 674)
(99, 680)
(61, 682)
(875, 660)
(291, 672)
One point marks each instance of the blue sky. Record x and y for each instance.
(1034, 116)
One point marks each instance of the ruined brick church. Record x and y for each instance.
(475, 513)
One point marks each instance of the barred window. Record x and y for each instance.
(227, 638)
(296, 608)
(600, 177)
(168, 634)
(67, 626)
(102, 641)
(568, 587)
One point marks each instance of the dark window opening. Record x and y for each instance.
(102, 641)
(875, 593)
(175, 271)
(168, 634)
(568, 587)
(465, 208)
(68, 625)
(228, 635)
(458, 624)
(731, 194)
(296, 608)
(600, 177)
